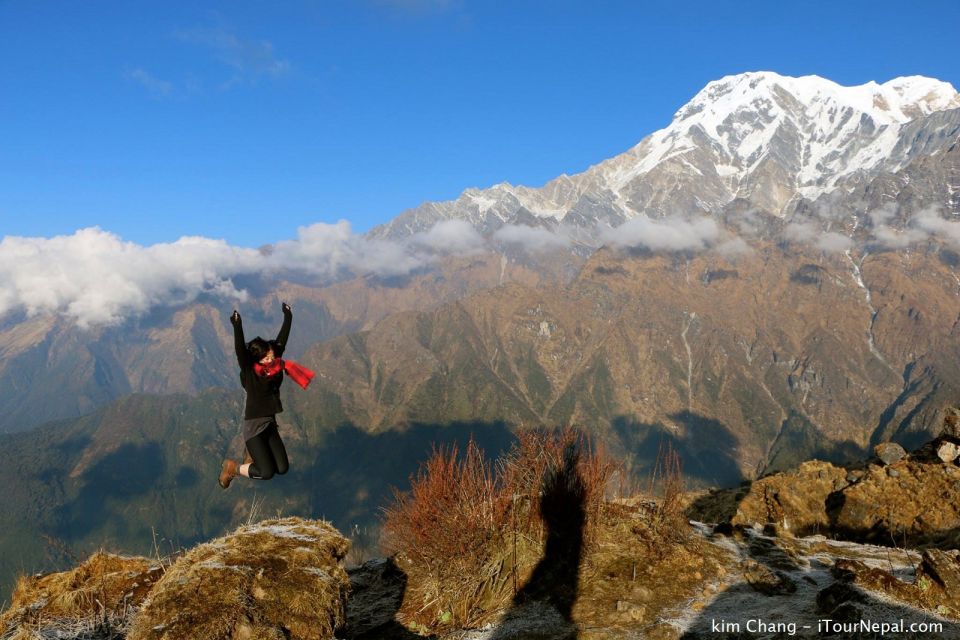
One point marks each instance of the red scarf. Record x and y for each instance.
(299, 374)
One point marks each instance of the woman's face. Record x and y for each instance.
(267, 359)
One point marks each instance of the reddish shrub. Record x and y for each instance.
(469, 536)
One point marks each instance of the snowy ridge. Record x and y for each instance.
(760, 136)
(840, 130)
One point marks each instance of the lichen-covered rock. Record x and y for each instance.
(793, 500)
(272, 580)
(919, 503)
(104, 588)
(890, 452)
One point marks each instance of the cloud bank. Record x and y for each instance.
(97, 278)
(531, 239)
(677, 233)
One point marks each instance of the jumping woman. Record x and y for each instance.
(261, 373)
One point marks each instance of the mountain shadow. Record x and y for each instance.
(121, 477)
(800, 440)
(350, 473)
(556, 577)
(162, 489)
(707, 447)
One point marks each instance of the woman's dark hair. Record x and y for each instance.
(258, 348)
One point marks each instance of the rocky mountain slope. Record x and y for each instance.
(767, 357)
(52, 369)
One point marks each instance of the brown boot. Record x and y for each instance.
(227, 473)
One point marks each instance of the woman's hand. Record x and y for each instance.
(285, 307)
(235, 318)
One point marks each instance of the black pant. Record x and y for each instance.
(268, 453)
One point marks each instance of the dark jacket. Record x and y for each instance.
(263, 393)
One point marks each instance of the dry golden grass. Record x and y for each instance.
(103, 591)
(469, 534)
(270, 580)
(633, 572)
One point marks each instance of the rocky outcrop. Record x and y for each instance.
(894, 499)
(935, 587)
(101, 592)
(275, 579)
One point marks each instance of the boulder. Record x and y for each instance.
(889, 452)
(793, 500)
(936, 587)
(919, 504)
(275, 579)
(948, 451)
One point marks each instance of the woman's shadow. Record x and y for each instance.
(543, 607)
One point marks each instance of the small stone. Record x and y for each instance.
(854, 476)
(948, 452)
(893, 473)
(765, 580)
(838, 593)
(889, 452)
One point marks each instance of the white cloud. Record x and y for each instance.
(833, 242)
(451, 237)
(333, 249)
(800, 231)
(734, 246)
(677, 233)
(97, 278)
(531, 238)
(811, 233)
(922, 226)
(930, 222)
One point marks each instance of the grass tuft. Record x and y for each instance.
(470, 532)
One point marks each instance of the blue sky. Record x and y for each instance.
(246, 120)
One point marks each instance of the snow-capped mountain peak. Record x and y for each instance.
(815, 131)
(895, 101)
(760, 136)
